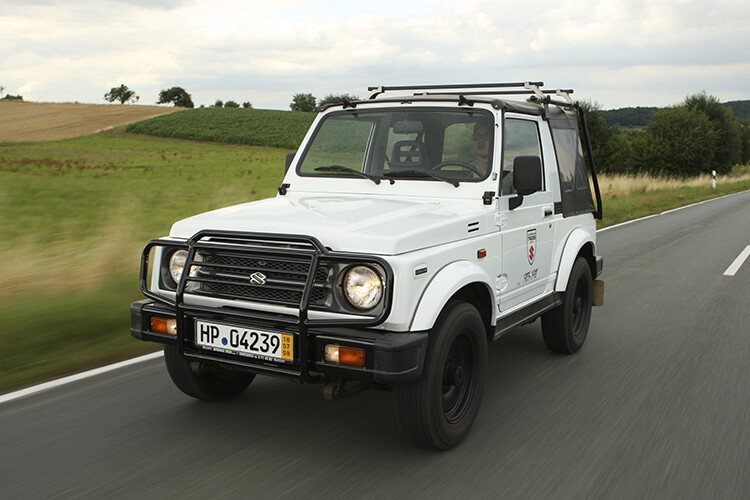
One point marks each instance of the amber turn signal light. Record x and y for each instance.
(345, 355)
(164, 325)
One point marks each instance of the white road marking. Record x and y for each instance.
(74, 378)
(668, 211)
(737, 264)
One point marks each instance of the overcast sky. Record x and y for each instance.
(614, 52)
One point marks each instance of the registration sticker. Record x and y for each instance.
(260, 344)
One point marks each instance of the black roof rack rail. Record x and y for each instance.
(382, 89)
(557, 92)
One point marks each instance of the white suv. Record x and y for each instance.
(410, 230)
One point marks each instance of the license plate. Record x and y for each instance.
(260, 344)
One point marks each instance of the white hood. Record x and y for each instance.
(375, 225)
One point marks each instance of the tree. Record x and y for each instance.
(336, 99)
(247, 105)
(303, 102)
(231, 104)
(728, 150)
(680, 141)
(122, 94)
(745, 124)
(218, 104)
(176, 95)
(599, 133)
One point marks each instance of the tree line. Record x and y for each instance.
(180, 97)
(695, 137)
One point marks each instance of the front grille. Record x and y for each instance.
(257, 270)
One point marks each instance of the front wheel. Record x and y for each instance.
(565, 327)
(439, 409)
(204, 380)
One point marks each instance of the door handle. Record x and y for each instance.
(547, 212)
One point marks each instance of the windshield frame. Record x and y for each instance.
(376, 151)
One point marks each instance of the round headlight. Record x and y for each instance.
(363, 287)
(177, 264)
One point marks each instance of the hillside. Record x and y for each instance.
(33, 121)
(640, 116)
(741, 109)
(255, 127)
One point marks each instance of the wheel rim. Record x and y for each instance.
(459, 378)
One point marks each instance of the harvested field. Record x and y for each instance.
(34, 122)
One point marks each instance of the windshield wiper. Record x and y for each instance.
(341, 168)
(420, 173)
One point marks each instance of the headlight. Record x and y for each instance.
(362, 287)
(177, 264)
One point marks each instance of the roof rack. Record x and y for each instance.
(532, 88)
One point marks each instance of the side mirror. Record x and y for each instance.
(289, 160)
(527, 178)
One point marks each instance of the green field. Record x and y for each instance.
(76, 214)
(258, 127)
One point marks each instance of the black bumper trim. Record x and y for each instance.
(391, 357)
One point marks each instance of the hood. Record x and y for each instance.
(375, 225)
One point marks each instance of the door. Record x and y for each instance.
(527, 231)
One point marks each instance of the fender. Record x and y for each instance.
(577, 240)
(443, 286)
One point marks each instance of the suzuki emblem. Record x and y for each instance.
(531, 245)
(258, 278)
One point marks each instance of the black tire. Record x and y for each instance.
(204, 380)
(439, 409)
(565, 327)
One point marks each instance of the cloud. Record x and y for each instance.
(616, 52)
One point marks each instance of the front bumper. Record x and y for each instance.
(390, 357)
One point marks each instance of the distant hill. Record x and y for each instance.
(640, 116)
(741, 109)
(629, 117)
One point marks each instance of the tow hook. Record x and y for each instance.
(340, 389)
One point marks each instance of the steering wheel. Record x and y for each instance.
(468, 166)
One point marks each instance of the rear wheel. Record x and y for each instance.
(439, 409)
(204, 380)
(565, 327)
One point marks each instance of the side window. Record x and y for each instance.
(520, 138)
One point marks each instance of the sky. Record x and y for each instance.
(616, 53)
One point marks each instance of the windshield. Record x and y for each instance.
(423, 144)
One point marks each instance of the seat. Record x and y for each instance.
(408, 155)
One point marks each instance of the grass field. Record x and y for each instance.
(31, 121)
(258, 127)
(76, 214)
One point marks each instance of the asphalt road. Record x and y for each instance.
(656, 405)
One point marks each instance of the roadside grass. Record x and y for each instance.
(628, 197)
(76, 214)
(77, 211)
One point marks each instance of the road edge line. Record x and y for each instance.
(52, 384)
(670, 211)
